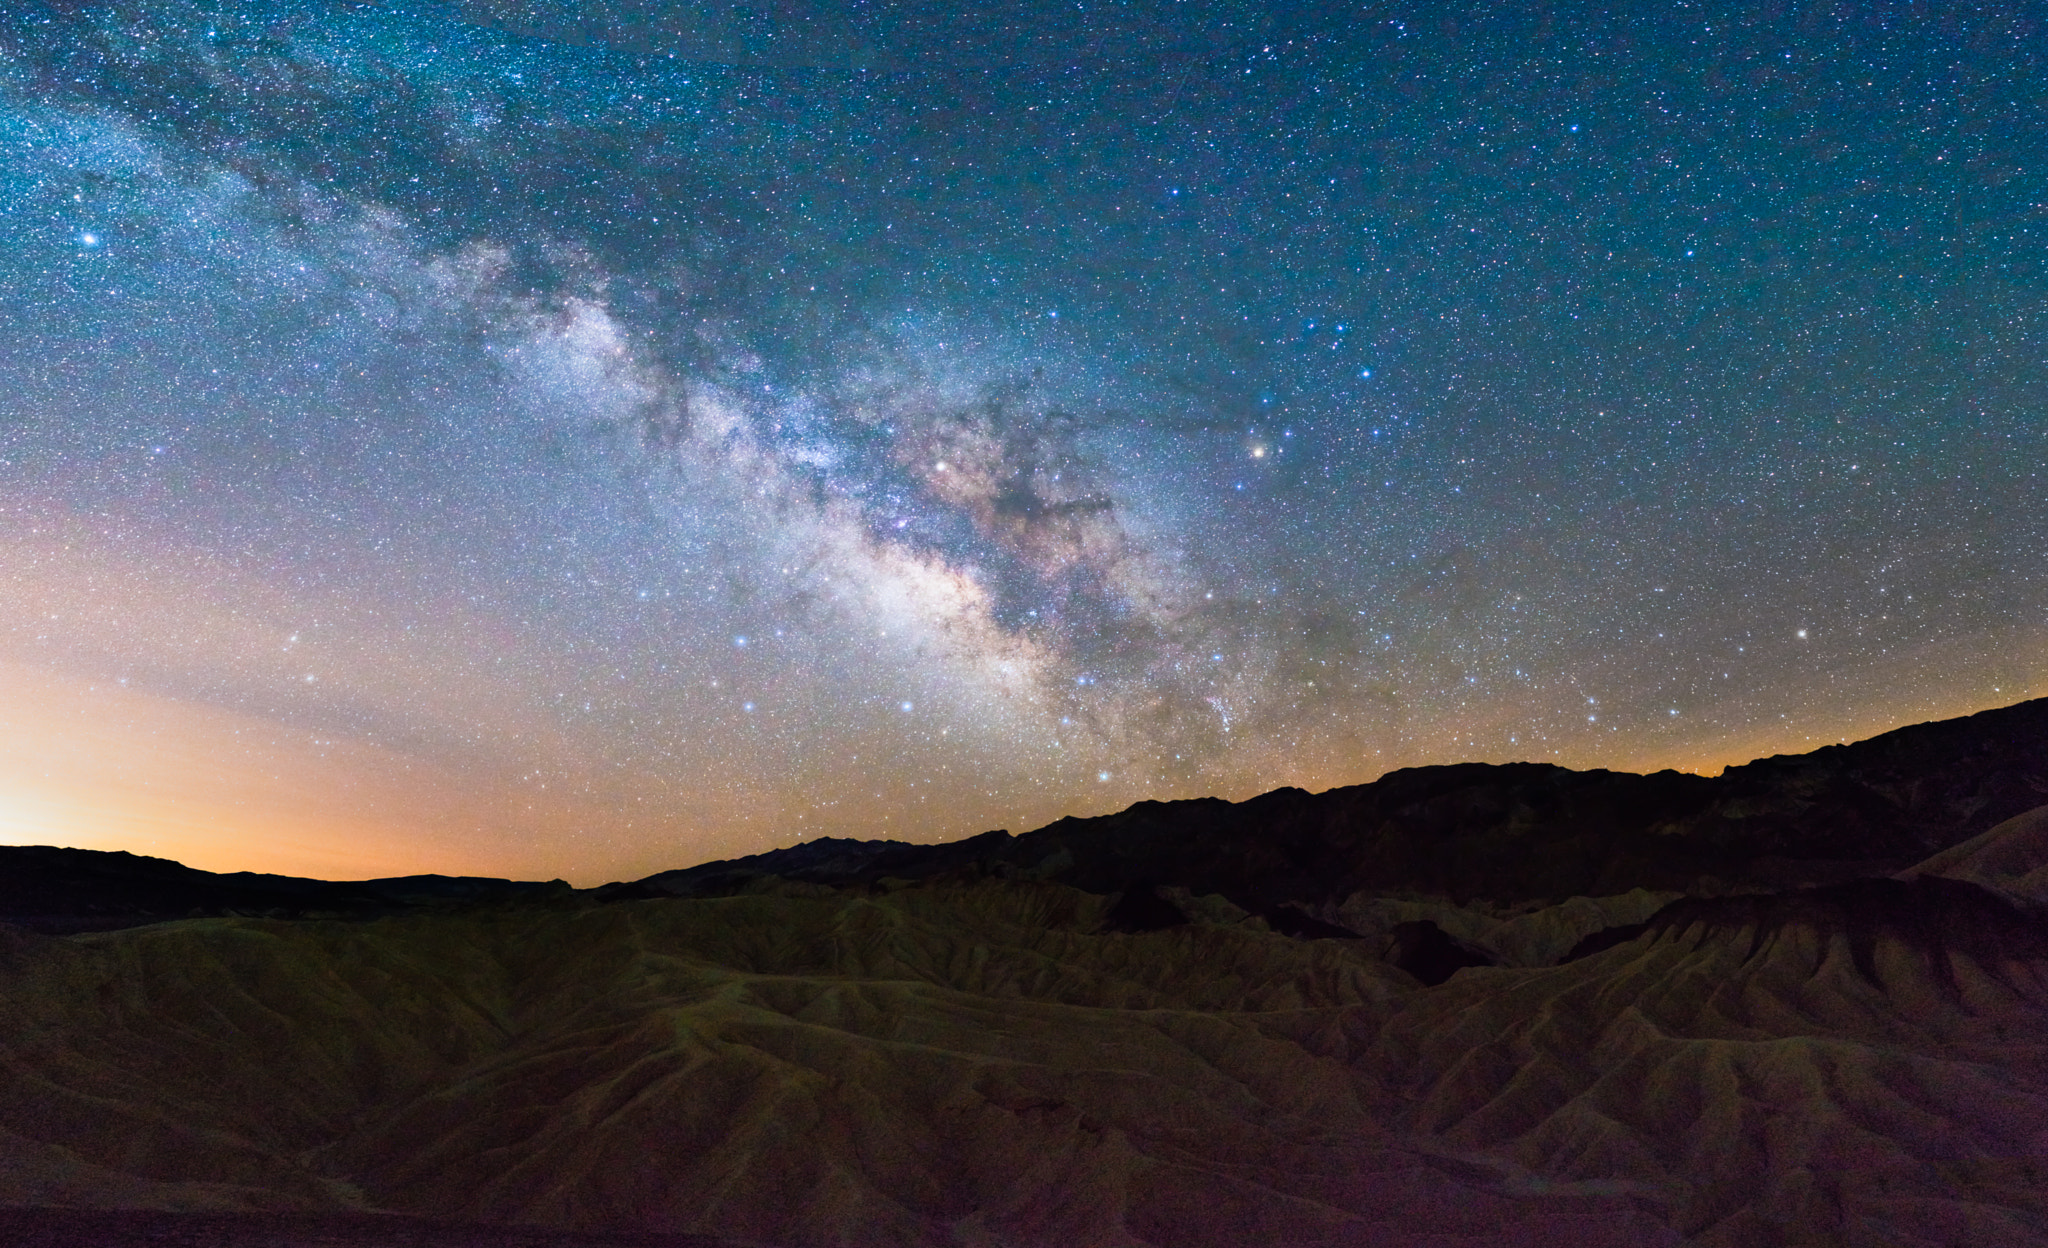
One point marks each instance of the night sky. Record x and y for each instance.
(535, 439)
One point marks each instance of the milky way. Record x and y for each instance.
(583, 442)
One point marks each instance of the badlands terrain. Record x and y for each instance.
(1804, 1002)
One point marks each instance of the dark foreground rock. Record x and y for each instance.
(1429, 953)
(1456, 1006)
(992, 1063)
(153, 1228)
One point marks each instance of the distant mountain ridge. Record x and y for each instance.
(1803, 1002)
(56, 890)
(1503, 833)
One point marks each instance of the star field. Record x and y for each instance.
(536, 440)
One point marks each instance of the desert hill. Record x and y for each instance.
(49, 889)
(1805, 1002)
(1510, 833)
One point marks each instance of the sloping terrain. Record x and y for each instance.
(932, 1066)
(150, 1228)
(2011, 858)
(1067, 1038)
(985, 1065)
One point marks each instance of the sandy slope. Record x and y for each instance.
(982, 1065)
(1777, 1070)
(2011, 857)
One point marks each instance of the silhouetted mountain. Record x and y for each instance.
(48, 889)
(1504, 833)
(825, 860)
(1803, 1002)
(1508, 834)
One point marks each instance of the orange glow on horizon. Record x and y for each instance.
(355, 745)
(98, 766)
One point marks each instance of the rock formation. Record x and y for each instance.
(1805, 1002)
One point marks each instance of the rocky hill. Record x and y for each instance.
(1805, 1002)
(1507, 834)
